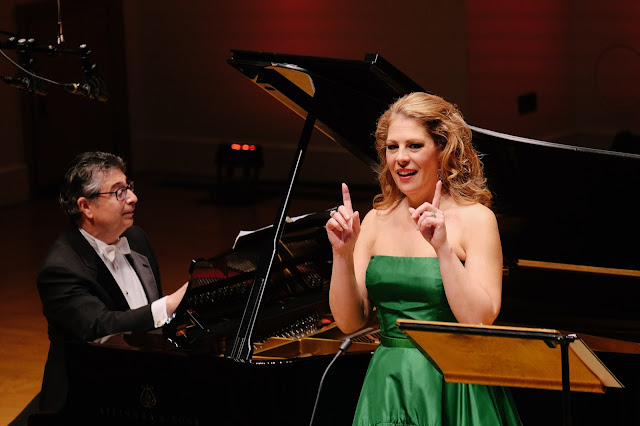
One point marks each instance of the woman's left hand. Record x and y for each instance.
(430, 220)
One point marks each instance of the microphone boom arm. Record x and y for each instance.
(91, 86)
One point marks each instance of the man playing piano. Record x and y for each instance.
(428, 250)
(101, 276)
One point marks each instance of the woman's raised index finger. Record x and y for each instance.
(436, 196)
(346, 197)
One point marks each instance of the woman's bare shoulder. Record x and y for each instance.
(474, 212)
(369, 221)
(377, 217)
(372, 223)
(478, 223)
(470, 221)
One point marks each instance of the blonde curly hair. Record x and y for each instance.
(460, 166)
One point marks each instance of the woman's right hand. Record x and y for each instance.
(343, 226)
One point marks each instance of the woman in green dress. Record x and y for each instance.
(428, 250)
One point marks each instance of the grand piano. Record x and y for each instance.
(253, 339)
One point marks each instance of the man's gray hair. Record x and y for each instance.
(83, 179)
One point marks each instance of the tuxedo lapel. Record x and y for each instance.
(101, 273)
(142, 267)
(110, 285)
(93, 262)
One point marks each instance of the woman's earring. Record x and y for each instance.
(439, 174)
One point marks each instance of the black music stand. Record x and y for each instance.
(511, 356)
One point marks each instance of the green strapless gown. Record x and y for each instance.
(401, 386)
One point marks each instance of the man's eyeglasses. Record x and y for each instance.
(121, 193)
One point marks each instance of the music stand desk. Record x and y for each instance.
(510, 356)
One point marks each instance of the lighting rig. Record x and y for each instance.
(91, 86)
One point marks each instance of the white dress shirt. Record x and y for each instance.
(126, 276)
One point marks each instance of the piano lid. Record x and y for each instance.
(348, 95)
(555, 203)
(561, 203)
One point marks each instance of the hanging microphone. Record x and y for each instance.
(343, 348)
(26, 83)
(92, 88)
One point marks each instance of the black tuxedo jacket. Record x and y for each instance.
(82, 301)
